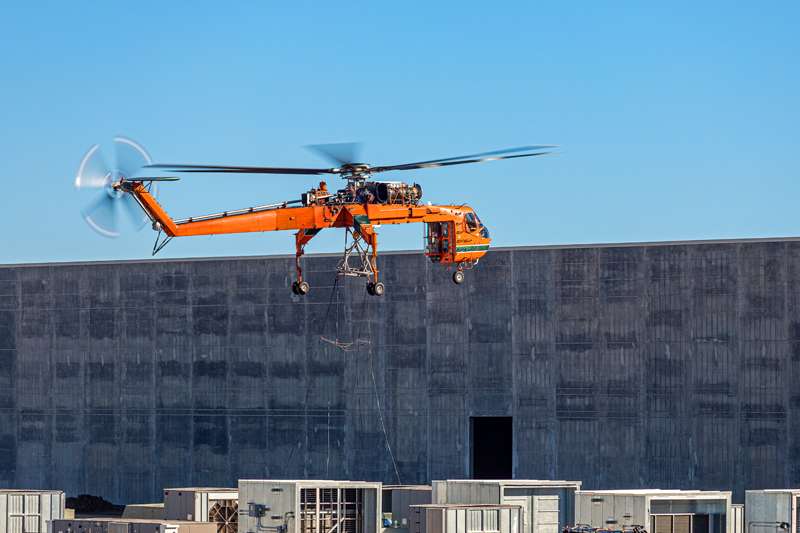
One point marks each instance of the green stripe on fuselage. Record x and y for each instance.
(472, 248)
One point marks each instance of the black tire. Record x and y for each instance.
(458, 277)
(369, 288)
(378, 289)
(303, 288)
(294, 287)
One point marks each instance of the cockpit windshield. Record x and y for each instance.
(472, 221)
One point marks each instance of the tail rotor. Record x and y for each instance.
(103, 214)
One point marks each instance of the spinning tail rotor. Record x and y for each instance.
(104, 213)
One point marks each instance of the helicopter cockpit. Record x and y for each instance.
(475, 226)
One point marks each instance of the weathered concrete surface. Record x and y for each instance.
(670, 366)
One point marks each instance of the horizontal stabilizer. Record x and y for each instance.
(154, 178)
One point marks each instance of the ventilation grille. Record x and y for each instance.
(226, 515)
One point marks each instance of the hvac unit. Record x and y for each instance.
(29, 511)
(547, 505)
(655, 510)
(202, 504)
(465, 518)
(772, 511)
(310, 506)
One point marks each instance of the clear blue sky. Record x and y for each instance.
(676, 120)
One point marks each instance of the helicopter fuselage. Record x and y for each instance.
(453, 235)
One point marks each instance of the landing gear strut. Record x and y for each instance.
(301, 238)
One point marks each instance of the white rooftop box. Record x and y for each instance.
(309, 506)
(772, 510)
(465, 518)
(547, 505)
(398, 499)
(658, 511)
(29, 511)
(129, 525)
(204, 504)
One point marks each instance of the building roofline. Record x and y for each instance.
(576, 246)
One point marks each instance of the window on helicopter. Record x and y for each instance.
(472, 222)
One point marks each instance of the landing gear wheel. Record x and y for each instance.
(300, 288)
(369, 288)
(458, 277)
(378, 289)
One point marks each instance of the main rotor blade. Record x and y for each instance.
(534, 147)
(447, 163)
(242, 170)
(339, 153)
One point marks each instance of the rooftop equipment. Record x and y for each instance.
(129, 525)
(309, 506)
(657, 511)
(204, 504)
(547, 505)
(29, 511)
(737, 518)
(465, 518)
(146, 511)
(397, 500)
(772, 511)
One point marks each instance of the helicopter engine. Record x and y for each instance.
(393, 192)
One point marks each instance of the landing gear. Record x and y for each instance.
(376, 289)
(458, 277)
(300, 288)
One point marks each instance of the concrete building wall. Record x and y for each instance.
(664, 365)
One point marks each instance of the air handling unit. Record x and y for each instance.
(658, 511)
(772, 511)
(397, 501)
(29, 511)
(465, 518)
(203, 504)
(547, 505)
(307, 506)
(129, 525)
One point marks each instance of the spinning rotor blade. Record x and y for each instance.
(93, 172)
(531, 148)
(130, 156)
(451, 161)
(242, 170)
(134, 211)
(345, 154)
(339, 153)
(102, 215)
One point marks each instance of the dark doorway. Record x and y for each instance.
(491, 445)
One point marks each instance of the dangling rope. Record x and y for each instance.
(355, 345)
(380, 416)
(342, 345)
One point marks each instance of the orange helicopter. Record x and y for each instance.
(454, 235)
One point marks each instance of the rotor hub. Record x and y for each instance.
(355, 168)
